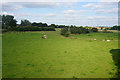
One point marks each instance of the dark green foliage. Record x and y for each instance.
(8, 20)
(31, 28)
(110, 73)
(62, 26)
(25, 23)
(75, 77)
(116, 57)
(39, 24)
(115, 28)
(53, 25)
(78, 30)
(64, 32)
(94, 30)
(13, 23)
(67, 34)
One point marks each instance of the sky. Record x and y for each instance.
(64, 13)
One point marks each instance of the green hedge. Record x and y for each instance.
(31, 28)
(78, 30)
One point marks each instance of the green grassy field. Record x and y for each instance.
(27, 55)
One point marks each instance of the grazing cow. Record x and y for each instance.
(44, 37)
(107, 40)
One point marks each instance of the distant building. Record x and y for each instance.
(97, 27)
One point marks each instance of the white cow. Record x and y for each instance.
(108, 40)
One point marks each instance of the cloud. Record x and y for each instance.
(69, 11)
(10, 6)
(74, 11)
(69, 16)
(5, 13)
(50, 15)
(13, 6)
(68, 19)
(101, 5)
(108, 11)
(39, 4)
(103, 20)
(93, 5)
(61, 1)
(96, 17)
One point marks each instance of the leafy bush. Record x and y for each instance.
(94, 30)
(67, 34)
(64, 32)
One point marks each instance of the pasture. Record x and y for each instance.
(27, 55)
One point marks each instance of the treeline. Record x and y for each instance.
(9, 23)
(115, 28)
(76, 30)
(31, 28)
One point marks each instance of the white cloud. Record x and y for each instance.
(68, 19)
(5, 13)
(13, 6)
(108, 11)
(69, 16)
(69, 11)
(101, 5)
(103, 20)
(39, 4)
(51, 15)
(61, 0)
(93, 5)
(74, 11)
(10, 6)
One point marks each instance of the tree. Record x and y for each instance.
(25, 22)
(115, 27)
(0, 22)
(53, 25)
(34, 24)
(13, 23)
(44, 25)
(8, 20)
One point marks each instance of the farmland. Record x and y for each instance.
(27, 55)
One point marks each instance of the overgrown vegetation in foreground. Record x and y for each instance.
(27, 55)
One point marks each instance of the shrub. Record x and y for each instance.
(64, 32)
(94, 30)
(67, 34)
